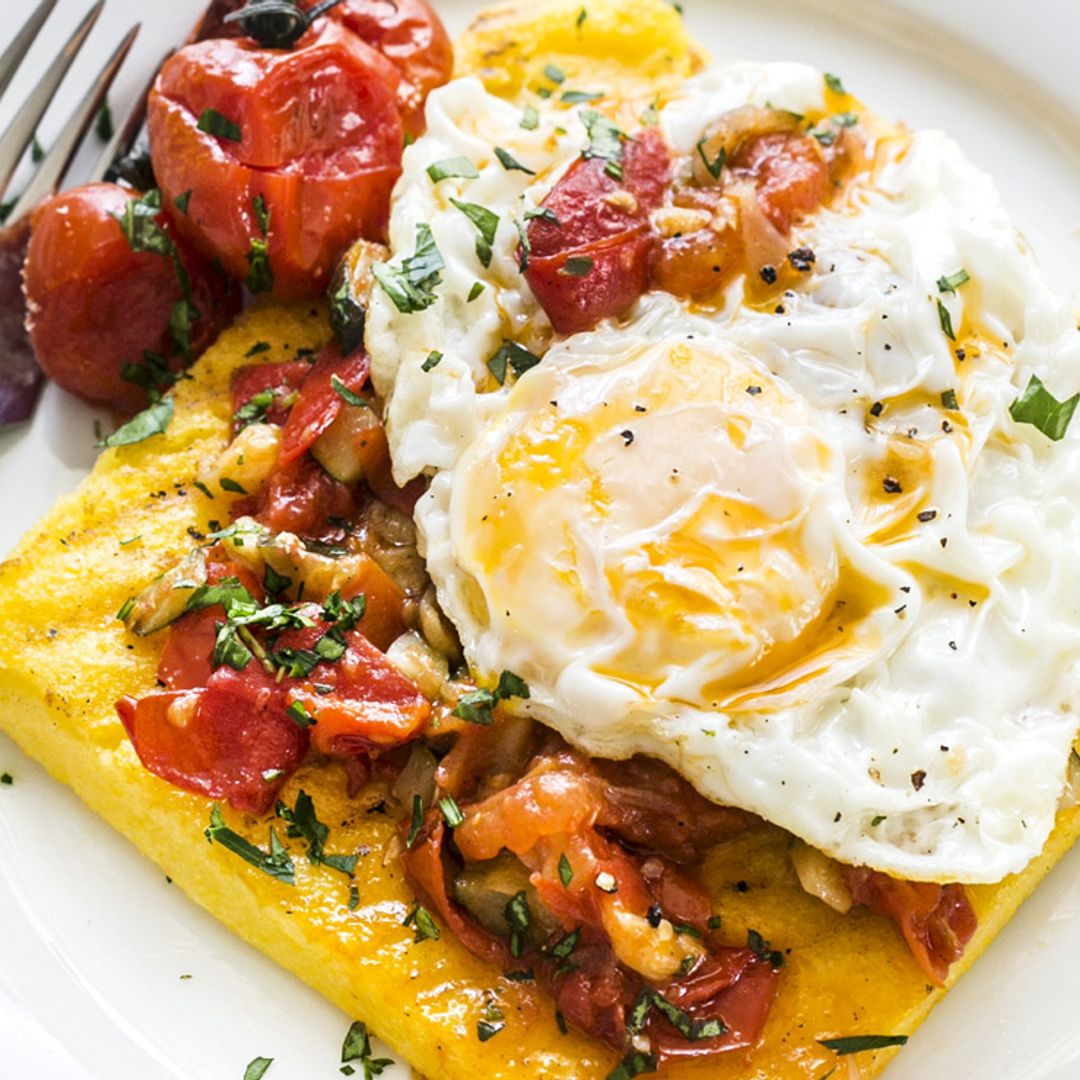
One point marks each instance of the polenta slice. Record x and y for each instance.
(65, 659)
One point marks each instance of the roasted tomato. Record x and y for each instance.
(937, 921)
(589, 257)
(279, 159)
(300, 498)
(411, 36)
(95, 305)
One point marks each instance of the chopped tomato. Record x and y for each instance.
(230, 739)
(789, 173)
(937, 921)
(281, 380)
(593, 263)
(412, 37)
(94, 305)
(300, 498)
(303, 151)
(319, 403)
(382, 621)
(359, 701)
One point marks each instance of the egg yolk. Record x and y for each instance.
(670, 512)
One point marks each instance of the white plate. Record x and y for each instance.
(95, 943)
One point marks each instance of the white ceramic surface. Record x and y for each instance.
(95, 944)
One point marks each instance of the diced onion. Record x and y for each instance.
(821, 876)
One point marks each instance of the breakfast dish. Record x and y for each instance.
(629, 626)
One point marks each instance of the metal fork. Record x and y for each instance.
(20, 132)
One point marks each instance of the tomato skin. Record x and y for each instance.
(412, 37)
(937, 921)
(94, 304)
(319, 402)
(321, 141)
(603, 220)
(370, 704)
(299, 498)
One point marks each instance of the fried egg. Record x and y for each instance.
(794, 544)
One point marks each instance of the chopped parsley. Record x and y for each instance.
(432, 360)
(487, 224)
(357, 1047)
(257, 1067)
(213, 123)
(229, 484)
(276, 863)
(577, 266)
(953, 282)
(260, 275)
(948, 400)
(448, 167)
(304, 824)
(1038, 407)
(350, 397)
(690, 1029)
(763, 950)
(855, 1044)
(511, 163)
(511, 354)
(716, 166)
(411, 285)
(476, 706)
(140, 226)
(421, 921)
(451, 811)
(566, 871)
(605, 141)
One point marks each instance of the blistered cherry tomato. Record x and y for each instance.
(274, 161)
(94, 305)
(590, 254)
(410, 35)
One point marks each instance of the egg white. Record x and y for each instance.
(937, 748)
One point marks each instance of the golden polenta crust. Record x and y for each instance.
(65, 659)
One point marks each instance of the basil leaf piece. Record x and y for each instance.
(276, 863)
(181, 202)
(262, 214)
(257, 1067)
(634, 1064)
(417, 820)
(855, 1044)
(213, 123)
(140, 226)
(513, 355)
(488, 1029)
(1038, 407)
(411, 285)
(421, 921)
(152, 421)
(357, 1047)
(451, 811)
(605, 141)
(949, 400)
(555, 74)
(579, 97)
(511, 163)
(566, 871)
(487, 224)
(715, 167)
(347, 316)
(530, 118)
(475, 707)
(834, 83)
(577, 266)
(457, 166)
(432, 360)
(474, 292)
(511, 685)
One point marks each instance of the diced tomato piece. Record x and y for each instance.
(603, 225)
(317, 154)
(789, 173)
(229, 740)
(319, 402)
(359, 701)
(94, 305)
(425, 868)
(300, 498)
(937, 921)
(282, 380)
(382, 620)
(412, 37)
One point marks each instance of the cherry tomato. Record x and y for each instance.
(412, 37)
(592, 260)
(300, 498)
(303, 150)
(789, 172)
(94, 305)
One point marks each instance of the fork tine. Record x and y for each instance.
(14, 53)
(21, 130)
(47, 178)
(127, 131)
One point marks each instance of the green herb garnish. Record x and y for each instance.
(1038, 407)
(151, 421)
(276, 863)
(213, 123)
(448, 167)
(411, 285)
(855, 1044)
